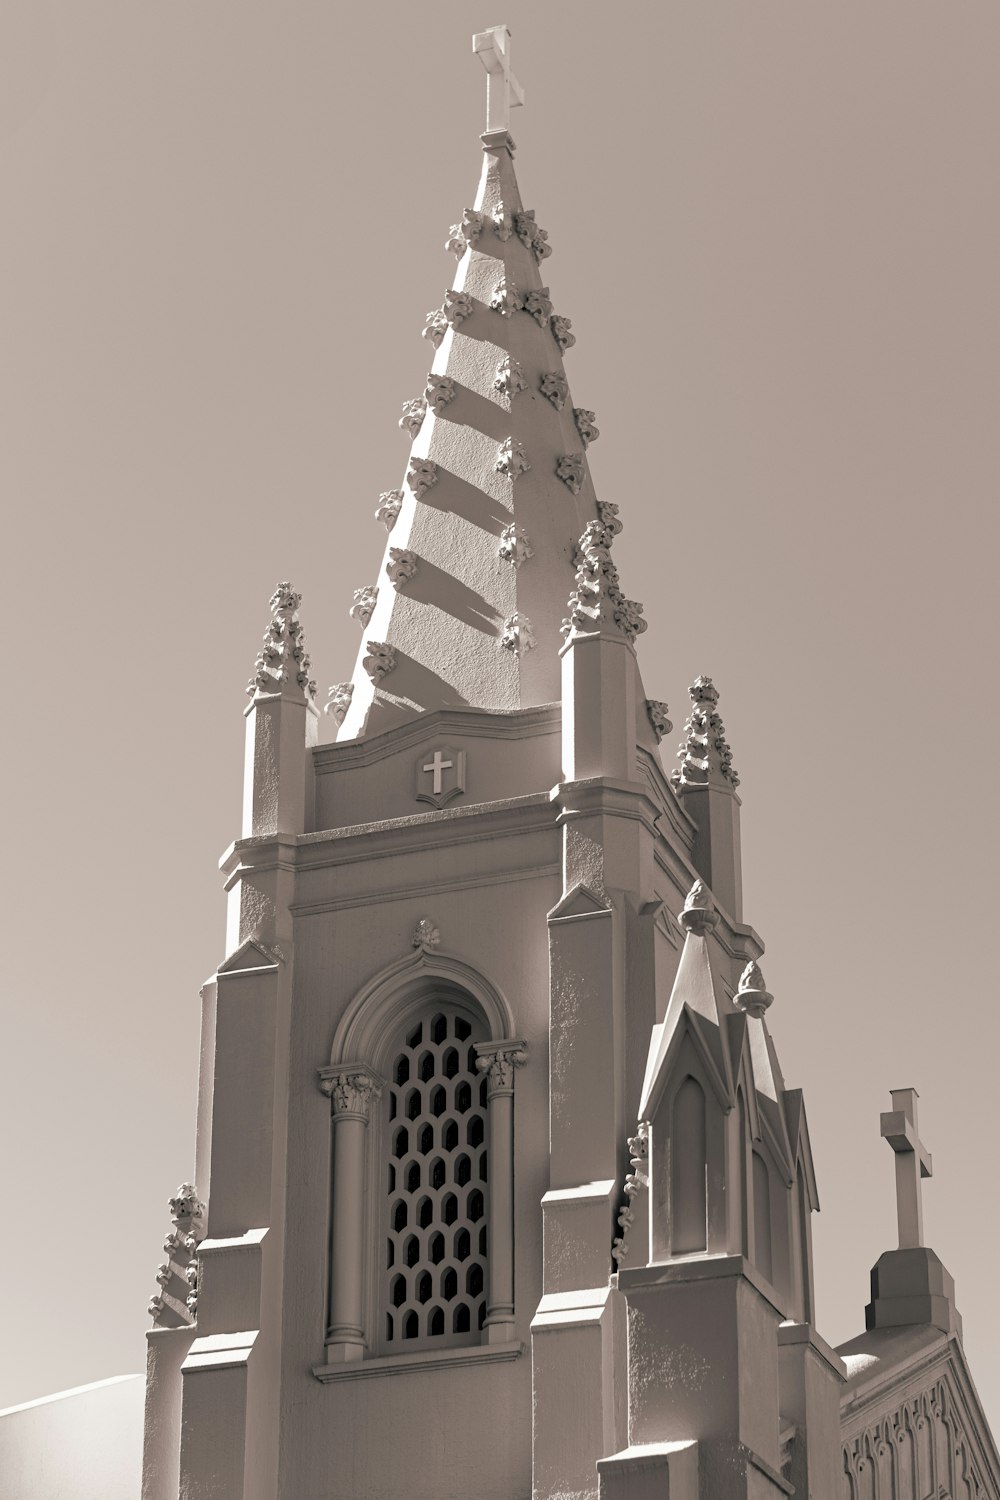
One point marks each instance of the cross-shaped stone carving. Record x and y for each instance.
(503, 91)
(437, 765)
(899, 1128)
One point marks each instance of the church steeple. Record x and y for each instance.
(485, 528)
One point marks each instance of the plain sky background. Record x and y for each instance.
(776, 230)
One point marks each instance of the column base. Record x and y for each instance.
(340, 1349)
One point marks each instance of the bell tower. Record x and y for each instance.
(499, 1188)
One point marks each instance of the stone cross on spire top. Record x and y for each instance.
(899, 1128)
(503, 91)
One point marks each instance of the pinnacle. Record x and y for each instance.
(705, 756)
(282, 665)
(496, 511)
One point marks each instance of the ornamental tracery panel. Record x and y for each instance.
(434, 1231)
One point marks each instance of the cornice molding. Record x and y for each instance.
(481, 723)
(431, 1359)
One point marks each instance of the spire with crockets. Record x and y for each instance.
(490, 525)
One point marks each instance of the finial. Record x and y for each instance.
(698, 914)
(503, 92)
(752, 995)
(283, 657)
(597, 601)
(705, 756)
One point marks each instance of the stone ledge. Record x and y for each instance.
(427, 1359)
(649, 1471)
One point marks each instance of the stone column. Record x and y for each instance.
(353, 1092)
(498, 1060)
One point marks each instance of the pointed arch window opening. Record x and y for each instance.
(762, 1227)
(689, 1170)
(450, 1178)
(744, 1147)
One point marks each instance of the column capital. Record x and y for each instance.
(353, 1091)
(498, 1060)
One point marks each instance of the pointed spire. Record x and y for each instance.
(282, 665)
(706, 759)
(497, 489)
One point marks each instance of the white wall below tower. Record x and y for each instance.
(83, 1444)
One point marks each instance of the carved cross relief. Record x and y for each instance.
(913, 1162)
(503, 91)
(440, 775)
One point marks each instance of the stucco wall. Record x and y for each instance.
(84, 1444)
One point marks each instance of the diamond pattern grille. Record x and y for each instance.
(435, 1237)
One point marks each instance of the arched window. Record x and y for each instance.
(762, 1216)
(687, 1169)
(434, 1229)
(422, 1222)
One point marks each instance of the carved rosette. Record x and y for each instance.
(570, 469)
(389, 505)
(364, 604)
(353, 1092)
(499, 1065)
(698, 914)
(505, 298)
(283, 659)
(439, 390)
(518, 635)
(555, 386)
(413, 416)
(509, 379)
(515, 546)
(538, 303)
(422, 473)
(635, 1181)
(401, 567)
(425, 935)
(435, 326)
(597, 600)
(585, 426)
(339, 697)
(705, 756)
(457, 307)
(511, 459)
(176, 1277)
(753, 995)
(529, 233)
(561, 331)
(380, 660)
(657, 712)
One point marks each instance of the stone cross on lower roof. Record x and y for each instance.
(503, 91)
(913, 1162)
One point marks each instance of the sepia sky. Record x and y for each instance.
(776, 230)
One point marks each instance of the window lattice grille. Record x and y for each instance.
(435, 1257)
